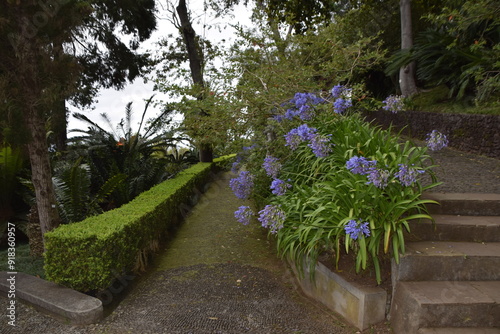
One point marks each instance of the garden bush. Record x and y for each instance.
(89, 255)
(331, 181)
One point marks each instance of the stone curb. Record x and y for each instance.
(70, 305)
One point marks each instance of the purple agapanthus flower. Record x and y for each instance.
(272, 166)
(305, 113)
(290, 114)
(378, 177)
(355, 229)
(279, 187)
(305, 132)
(341, 105)
(242, 185)
(272, 217)
(394, 104)
(300, 99)
(293, 139)
(244, 214)
(436, 140)
(360, 165)
(321, 145)
(297, 135)
(338, 91)
(407, 175)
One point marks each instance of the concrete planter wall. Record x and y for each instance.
(360, 306)
(478, 134)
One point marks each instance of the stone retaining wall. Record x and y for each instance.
(479, 134)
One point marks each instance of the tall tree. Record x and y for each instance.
(35, 73)
(195, 57)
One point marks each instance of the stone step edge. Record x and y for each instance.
(447, 260)
(411, 302)
(473, 204)
(455, 228)
(50, 298)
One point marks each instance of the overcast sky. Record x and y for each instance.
(113, 102)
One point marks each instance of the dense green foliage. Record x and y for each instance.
(460, 49)
(322, 193)
(139, 155)
(88, 256)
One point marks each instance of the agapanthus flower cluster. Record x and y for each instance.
(341, 105)
(407, 175)
(436, 140)
(378, 177)
(340, 91)
(342, 96)
(360, 165)
(243, 214)
(272, 217)
(242, 185)
(279, 187)
(297, 135)
(301, 107)
(355, 229)
(320, 145)
(394, 104)
(272, 166)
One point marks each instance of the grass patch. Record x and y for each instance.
(24, 261)
(437, 100)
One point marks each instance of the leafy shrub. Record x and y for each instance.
(337, 182)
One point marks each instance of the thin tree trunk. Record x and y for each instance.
(407, 81)
(41, 173)
(196, 66)
(195, 59)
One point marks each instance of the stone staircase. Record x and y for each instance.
(448, 281)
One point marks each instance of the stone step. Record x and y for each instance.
(465, 204)
(448, 261)
(456, 228)
(459, 330)
(442, 304)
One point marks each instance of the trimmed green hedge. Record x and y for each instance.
(87, 256)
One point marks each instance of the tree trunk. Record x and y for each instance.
(407, 81)
(196, 67)
(30, 62)
(195, 59)
(41, 173)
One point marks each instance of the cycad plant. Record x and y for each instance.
(72, 183)
(128, 152)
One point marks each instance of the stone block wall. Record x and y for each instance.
(479, 134)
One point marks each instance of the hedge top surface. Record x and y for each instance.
(101, 226)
